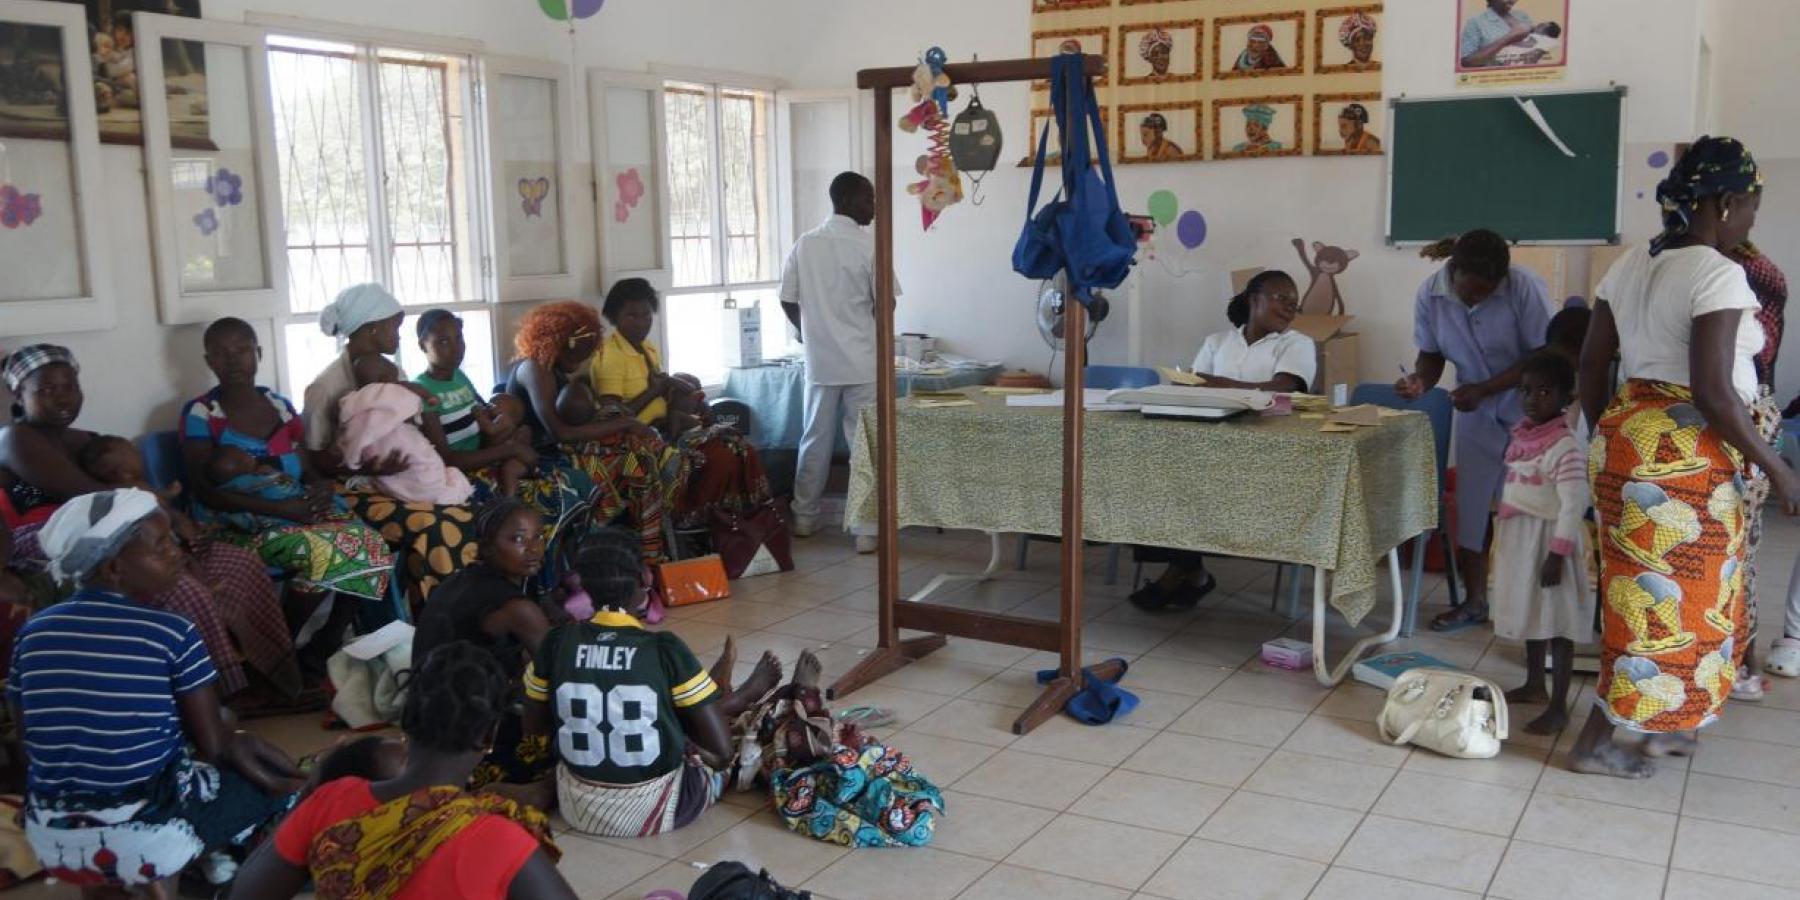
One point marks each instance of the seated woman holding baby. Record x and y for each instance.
(725, 472)
(634, 472)
(46, 462)
(432, 537)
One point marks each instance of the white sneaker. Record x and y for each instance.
(802, 526)
(867, 543)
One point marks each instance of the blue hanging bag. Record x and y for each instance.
(1082, 230)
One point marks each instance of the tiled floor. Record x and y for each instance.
(1232, 780)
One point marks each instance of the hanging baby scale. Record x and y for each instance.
(975, 143)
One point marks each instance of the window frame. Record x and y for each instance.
(175, 305)
(477, 178)
(93, 309)
(511, 288)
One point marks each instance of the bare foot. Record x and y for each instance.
(1553, 720)
(1611, 759)
(807, 670)
(1529, 694)
(540, 794)
(1657, 746)
(721, 670)
(764, 678)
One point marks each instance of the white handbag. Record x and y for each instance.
(1438, 709)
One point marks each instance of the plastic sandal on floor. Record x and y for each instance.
(1784, 658)
(1748, 688)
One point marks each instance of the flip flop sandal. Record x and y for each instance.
(866, 716)
(1748, 688)
(1100, 700)
(1784, 658)
(1456, 620)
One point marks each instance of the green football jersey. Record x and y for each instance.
(615, 690)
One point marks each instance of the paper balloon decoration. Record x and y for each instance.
(1191, 229)
(1164, 206)
(562, 10)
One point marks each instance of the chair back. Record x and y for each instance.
(162, 457)
(1435, 404)
(1112, 378)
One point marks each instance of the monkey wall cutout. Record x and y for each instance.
(1322, 296)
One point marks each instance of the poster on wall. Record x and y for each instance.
(113, 44)
(1509, 42)
(1196, 80)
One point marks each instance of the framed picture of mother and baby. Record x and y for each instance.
(1520, 37)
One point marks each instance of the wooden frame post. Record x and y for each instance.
(1064, 637)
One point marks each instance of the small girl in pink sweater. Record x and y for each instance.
(378, 420)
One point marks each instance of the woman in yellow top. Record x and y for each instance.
(726, 473)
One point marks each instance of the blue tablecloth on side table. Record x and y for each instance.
(776, 395)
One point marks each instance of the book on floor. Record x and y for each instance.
(1381, 670)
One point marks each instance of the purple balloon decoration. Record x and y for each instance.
(1191, 229)
(1659, 159)
(586, 8)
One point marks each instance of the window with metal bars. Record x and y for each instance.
(379, 183)
(722, 220)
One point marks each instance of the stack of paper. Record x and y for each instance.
(1201, 397)
(1310, 403)
(1179, 376)
(1092, 399)
(942, 403)
(992, 391)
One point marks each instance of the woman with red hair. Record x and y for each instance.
(632, 469)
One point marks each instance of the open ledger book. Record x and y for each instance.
(1159, 399)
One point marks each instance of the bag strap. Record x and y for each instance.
(1037, 169)
(1501, 722)
(1106, 172)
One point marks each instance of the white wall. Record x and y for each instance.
(958, 281)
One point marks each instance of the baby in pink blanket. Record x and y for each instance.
(377, 421)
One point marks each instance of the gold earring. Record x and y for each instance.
(1725, 214)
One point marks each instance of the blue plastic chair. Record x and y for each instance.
(162, 457)
(1105, 378)
(1439, 411)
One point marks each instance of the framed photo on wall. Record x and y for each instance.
(1258, 46)
(1053, 151)
(1160, 52)
(1348, 124)
(1347, 39)
(113, 45)
(1096, 39)
(1246, 127)
(1528, 43)
(1159, 132)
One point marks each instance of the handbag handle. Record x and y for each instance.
(1502, 722)
(1037, 169)
(1106, 171)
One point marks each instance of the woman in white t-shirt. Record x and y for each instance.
(1669, 460)
(1259, 352)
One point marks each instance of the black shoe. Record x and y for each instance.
(1151, 597)
(1189, 596)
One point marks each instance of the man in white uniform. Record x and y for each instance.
(830, 278)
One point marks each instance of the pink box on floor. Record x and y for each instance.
(1287, 653)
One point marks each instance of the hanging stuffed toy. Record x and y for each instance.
(931, 96)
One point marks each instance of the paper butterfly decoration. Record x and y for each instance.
(18, 208)
(226, 187)
(207, 221)
(532, 192)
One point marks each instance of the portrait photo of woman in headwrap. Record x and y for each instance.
(1271, 127)
(1159, 132)
(1347, 124)
(1257, 46)
(1159, 52)
(1345, 39)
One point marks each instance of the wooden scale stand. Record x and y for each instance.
(1064, 636)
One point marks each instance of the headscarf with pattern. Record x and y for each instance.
(1152, 40)
(91, 529)
(1712, 167)
(1353, 24)
(19, 365)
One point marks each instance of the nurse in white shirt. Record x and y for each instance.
(830, 279)
(1258, 353)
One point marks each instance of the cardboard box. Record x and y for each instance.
(742, 334)
(1339, 363)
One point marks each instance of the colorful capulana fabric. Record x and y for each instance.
(634, 475)
(374, 855)
(1671, 500)
(1713, 166)
(1770, 287)
(867, 796)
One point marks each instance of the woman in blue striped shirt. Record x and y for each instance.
(111, 693)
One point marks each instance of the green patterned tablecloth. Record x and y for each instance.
(1265, 488)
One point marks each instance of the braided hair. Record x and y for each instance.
(491, 516)
(1238, 310)
(454, 699)
(611, 567)
(1480, 253)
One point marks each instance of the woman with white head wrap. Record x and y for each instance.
(129, 807)
(367, 319)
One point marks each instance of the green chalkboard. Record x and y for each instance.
(1480, 162)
